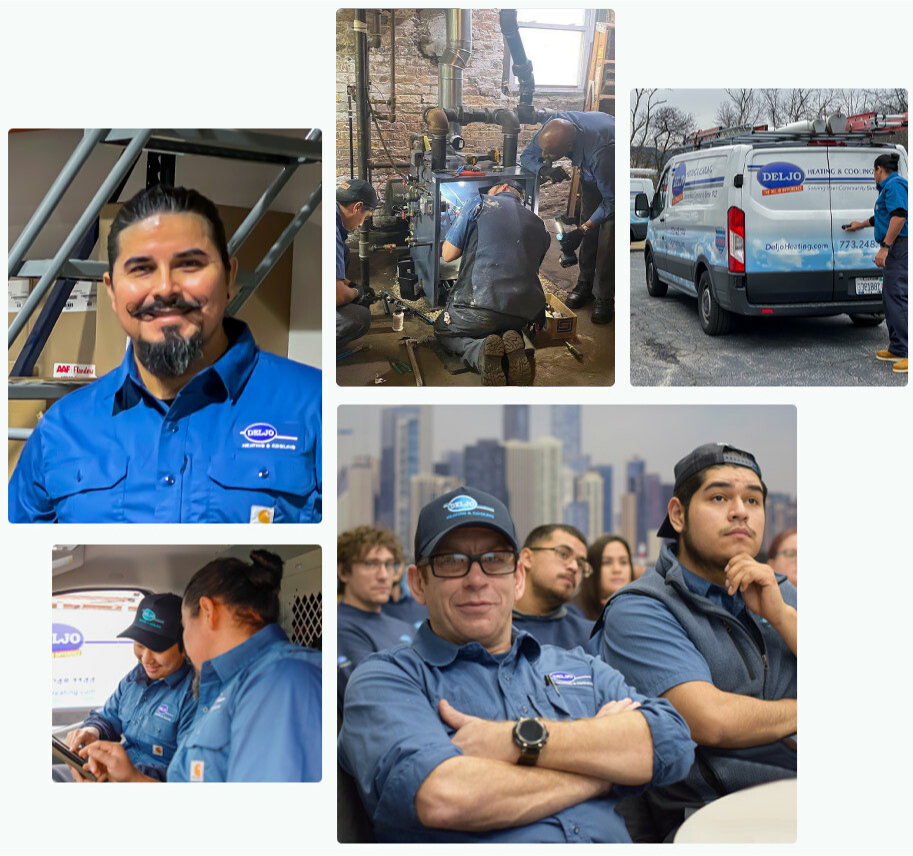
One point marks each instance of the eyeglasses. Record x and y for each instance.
(493, 563)
(565, 554)
(377, 564)
(789, 554)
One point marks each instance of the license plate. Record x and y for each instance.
(869, 285)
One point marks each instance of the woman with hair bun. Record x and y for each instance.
(259, 696)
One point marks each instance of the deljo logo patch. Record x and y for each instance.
(461, 503)
(678, 183)
(263, 435)
(780, 177)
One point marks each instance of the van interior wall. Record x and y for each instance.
(420, 35)
(36, 157)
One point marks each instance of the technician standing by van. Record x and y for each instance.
(890, 222)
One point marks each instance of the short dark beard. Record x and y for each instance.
(171, 357)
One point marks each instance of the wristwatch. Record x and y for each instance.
(530, 734)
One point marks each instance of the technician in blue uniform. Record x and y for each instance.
(153, 706)
(197, 424)
(589, 140)
(356, 200)
(366, 563)
(714, 632)
(258, 718)
(478, 733)
(890, 222)
(497, 294)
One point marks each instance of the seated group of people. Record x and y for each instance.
(220, 694)
(482, 702)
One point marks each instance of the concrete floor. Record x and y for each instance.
(554, 365)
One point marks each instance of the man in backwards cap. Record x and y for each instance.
(153, 706)
(714, 632)
(356, 200)
(475, 732)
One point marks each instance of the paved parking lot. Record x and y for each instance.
(668, 347)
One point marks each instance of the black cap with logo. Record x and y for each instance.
(356, 190)
(464, 506)
(157, 625)
(708, 455)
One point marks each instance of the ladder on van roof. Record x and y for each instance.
(57, 276)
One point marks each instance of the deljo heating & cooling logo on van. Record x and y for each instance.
(66, 641)
(780, 177)
(678, 184)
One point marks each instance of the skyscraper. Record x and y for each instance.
(534, 483)
(608, 512)
(405, 452)
(565, 426)
(516, 422)
(636, 472)
(484, 467)
(589, 492)
(356, 501)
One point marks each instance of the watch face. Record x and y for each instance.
(530, 731)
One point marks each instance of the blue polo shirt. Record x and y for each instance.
(593, 153)
(258, 718)
(645, 642)
(342, 251)
(359, 633)
(458, 232)
(392, 737)
(565, 626)
(240, 443)
(152, 716)
(892, 197)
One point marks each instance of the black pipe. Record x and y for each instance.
(510, 150)
(522, 67)
(392, 101)
(364, 129)
(351, 131)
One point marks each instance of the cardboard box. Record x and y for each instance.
(559, 328)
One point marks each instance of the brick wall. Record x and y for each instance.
(419, 38)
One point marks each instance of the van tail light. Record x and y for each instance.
(736, 240)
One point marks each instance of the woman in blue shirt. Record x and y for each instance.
(153, 706)
(258, 717)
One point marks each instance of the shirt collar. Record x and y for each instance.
(231, 370)
(227, 665)
(881, 185)
(172, 680)
(559, 611)
(439, 652)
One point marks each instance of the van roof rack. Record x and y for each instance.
(774, 138)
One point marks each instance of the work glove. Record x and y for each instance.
(553, 175)
(572, 240)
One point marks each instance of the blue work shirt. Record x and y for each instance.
(892, 197)
(152, 716)
(392, 736)
(459, 231)
(259, 715)
(565, 626)
(342, 251)
(593, 154)
(645, 642)
(240, 443)
(359, 633)
(407, 609)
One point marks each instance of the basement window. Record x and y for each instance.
(558, 42)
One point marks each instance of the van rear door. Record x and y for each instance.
(853, 196)
(789, 255)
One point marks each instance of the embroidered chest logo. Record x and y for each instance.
(569, 679)
(262, 435)
(165, 713)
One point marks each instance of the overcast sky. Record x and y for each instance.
(612, 434)
(700, 103)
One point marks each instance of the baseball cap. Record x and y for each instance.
(464, 506)
(708, 455)
(157, 625)
(356, 190)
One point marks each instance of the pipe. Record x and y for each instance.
(364, 130)
(522, 67)
(510, 127)
(436, 118)
(392, 100)
(454, 59)
(373, 28)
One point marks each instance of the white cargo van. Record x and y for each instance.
(641, 182)
(753, 227)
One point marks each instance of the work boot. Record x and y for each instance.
(490, 364)
(580, 296)
(887, 356)
(604, 311)
(519, 371)
(900, 366)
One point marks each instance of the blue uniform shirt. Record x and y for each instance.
(892, 196)
(407, 609)
(259, 715)
(593, 153)
(651, 649)
(459, 231)
(153, 717)
(239, 444)
(392, 737)
(342, 251)
(565, 626)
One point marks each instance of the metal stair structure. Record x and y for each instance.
(58, 275)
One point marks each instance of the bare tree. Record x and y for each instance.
(646, 101)
(669, 127)
(744, 107)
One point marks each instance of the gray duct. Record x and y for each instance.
(454, 59)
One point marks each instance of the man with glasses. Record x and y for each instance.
(714, 632)
(554, 560)
(477, 732)
(366, 562)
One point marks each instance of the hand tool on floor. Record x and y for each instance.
(399, 366)
(350, 351)
(410, 347)
(574, 351)
(409, 310)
